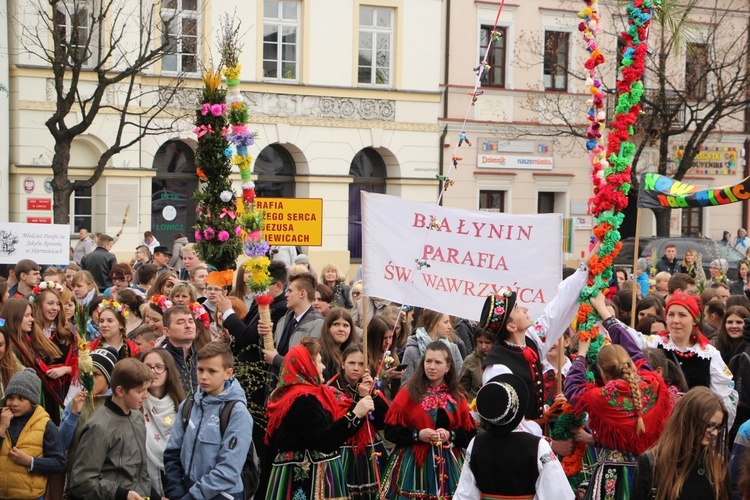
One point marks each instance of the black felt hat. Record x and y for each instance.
(502, 402)
(496, 312)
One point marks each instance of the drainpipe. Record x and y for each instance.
(446, 62)
(441, 160)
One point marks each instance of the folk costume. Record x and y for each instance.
(505, 462)
(364, 451)
(418, 470)
(701, 363)
(525, 361)
(306, 425)
(549, 378)
(612, 417)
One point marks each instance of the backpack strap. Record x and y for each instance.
(187, 407)
(226, 414)
(650, 458)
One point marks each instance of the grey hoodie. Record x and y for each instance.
(175, 261)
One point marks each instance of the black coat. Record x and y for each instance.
(99, 263)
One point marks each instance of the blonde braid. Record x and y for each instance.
(629, 377)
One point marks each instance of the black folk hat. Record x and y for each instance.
(502, 402)
(496, 312)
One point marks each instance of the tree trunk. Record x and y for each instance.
(62, 188)
(662, 221)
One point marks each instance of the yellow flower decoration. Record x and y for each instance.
(242, 162)
(232, 73)
(212, 79)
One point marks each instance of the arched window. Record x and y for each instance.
(172, 205)
(369, 172)
(275, 169)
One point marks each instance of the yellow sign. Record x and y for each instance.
(292, 221)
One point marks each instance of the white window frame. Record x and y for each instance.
(73, 212)
(280, 23)
(68, 8)
(177, 15)
(372, 31)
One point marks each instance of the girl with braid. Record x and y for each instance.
(627, 413)
(113, 328)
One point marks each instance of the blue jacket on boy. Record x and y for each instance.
(199, 463)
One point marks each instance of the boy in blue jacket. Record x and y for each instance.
(200, 463)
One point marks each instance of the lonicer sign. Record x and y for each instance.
(292, 221)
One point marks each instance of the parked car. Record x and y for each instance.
(708, 248)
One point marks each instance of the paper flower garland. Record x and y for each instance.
(611, 175)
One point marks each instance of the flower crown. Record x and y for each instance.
(46, 285)
(200, 313)
(115, 306)
(161, 302)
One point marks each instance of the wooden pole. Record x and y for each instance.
(636, 250)
(560, 358)
(364, 330)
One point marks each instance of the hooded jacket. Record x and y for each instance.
(413, 355)
(198, 461)
(175, 261)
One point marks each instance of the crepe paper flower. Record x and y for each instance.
(223, 236)
(198, 236)
(232, 73)
(206, 108)
(248, 185)
(240, 128)
(224, 131)
(237, 231)
(217, 109)
(228, 152)
(242, 162)
(199, 172)
(226, 196)
(209, 233)
(256, 248)
(240, 140)
(203, 130)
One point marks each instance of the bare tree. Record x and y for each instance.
(706, 93)
(98, 52)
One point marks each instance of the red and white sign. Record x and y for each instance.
(39, 220)
(463, 258)
(39, 204)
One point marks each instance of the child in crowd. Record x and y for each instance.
(30, 445)
(145, 338)
(84, 287)
(112, 451)
(160, 411)
(112, 326)
(199, 460)
(549, 369)
(81, 407)
(471, 372)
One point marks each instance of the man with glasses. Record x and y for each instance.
(179, 329)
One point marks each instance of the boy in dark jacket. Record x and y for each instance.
(111, 461)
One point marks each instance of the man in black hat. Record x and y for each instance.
(522, 344)
(161, 257)
(504, 461)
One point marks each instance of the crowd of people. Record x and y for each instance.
(361, 398)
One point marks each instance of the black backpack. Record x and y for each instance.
(251, 468)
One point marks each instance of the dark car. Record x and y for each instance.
(708, 248)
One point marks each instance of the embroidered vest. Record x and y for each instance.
(15, 480)
(506, 465)
(512, 357)
(697, 370)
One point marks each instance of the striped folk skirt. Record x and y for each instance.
(362, 477)
(307, 475)
(437, 478)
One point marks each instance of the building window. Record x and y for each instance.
(280, 39)
(369, 173)
(556, 47)
(493, 76)
(275, 169)
(181, 18)
(692, 221)
(72, 20)
(81, 209)
(375, 46)
(492, 201)
(696, 70)
(545, 203)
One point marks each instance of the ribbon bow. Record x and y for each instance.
(225, 212)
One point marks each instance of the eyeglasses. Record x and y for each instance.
(158, 369)
(356, 294)
(711, 428)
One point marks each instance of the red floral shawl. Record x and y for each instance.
(612, 417)
(404, 412)
(299, 377)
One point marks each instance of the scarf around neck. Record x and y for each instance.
(160, 415)
(298, 377)
(423, 339)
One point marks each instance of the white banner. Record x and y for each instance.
(465, 258)
(45, 244)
